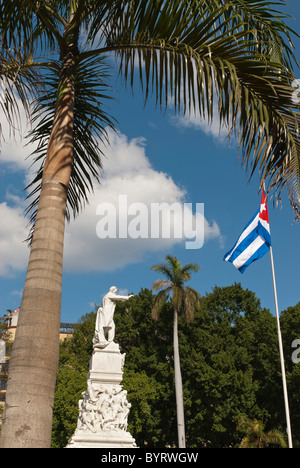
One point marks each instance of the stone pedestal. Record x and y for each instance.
(104, 409)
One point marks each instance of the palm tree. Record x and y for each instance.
(188, 52)
(255, 437)
(184, 299)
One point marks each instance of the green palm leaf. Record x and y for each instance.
(90, 130)
(16, 83)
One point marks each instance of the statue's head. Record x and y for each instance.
(113, 289)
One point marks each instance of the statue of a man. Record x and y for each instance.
(105, 318)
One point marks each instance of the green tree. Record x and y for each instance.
(256, 437)
(192, 51)
(3, 327)
(230, 367)
(290, 329)
(183, 298)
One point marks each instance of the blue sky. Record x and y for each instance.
(155, 157)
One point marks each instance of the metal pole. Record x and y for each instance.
(285, 393)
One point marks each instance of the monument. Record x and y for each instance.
(104, 409)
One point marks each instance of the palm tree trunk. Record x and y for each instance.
(33, 364)
(178, 384)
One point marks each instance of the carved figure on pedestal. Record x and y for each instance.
(103, 409)
(105, 318)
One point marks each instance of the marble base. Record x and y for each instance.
(104, 409)
(102, 440)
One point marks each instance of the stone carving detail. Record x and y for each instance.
(103, 409)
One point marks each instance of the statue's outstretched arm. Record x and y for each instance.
(122, 298)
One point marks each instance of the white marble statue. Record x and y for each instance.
(103, 410)
(105, 318)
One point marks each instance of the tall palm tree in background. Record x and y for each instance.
(185, 299)
(193, 54)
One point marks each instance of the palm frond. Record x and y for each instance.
(100, 17)
(175, 268)
(187, 269)
(30, 21)
(182, 296)
(193, 293)
(90, 124)
(238, 54)
(189, 307)
(177, 297)
(191, 302)
(164, 269)
(269, 26)
(159, 300)
(160, 284)
(15, 23)
(19, 83)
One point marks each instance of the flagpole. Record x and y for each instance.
(285, 393)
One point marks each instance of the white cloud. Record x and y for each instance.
(127, 172)
(195, 121)
(14, 148)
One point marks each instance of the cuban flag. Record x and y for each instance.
(255, 240)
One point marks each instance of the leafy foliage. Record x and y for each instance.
(290, 327)
(255, 437)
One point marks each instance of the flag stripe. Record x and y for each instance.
(256, 256)
(246, 232)
(264, 231)
(243, 245)
(248, 252)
